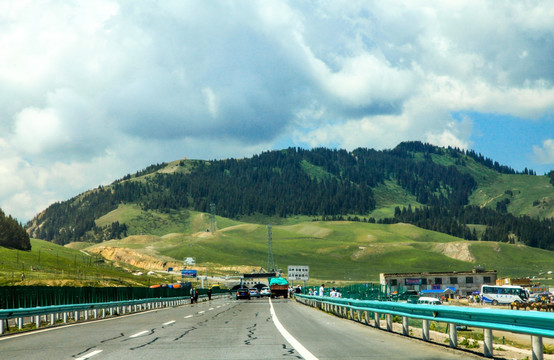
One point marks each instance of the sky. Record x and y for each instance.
(93, 90)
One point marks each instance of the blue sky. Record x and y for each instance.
(93, 90)
(511, 140)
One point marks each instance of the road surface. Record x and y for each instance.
(221, 329)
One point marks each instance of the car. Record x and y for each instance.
(265, 292)
(254, 293)
(242, 293)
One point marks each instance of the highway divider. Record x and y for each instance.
(535, 324)
(51, 315)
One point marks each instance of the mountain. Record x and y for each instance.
(460, 193)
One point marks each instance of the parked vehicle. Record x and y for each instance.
(279, 287)
(254, 293)
(492, 294)
(265, 292)
(428, 301)
(242, 293)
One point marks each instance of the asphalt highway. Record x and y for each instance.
(221, 329)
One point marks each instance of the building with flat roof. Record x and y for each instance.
(463, 282)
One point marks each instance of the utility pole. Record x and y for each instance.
(212, 218)
(270, 260)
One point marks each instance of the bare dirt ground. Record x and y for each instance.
(133, 258)
(456, 250)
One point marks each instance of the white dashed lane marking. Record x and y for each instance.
(139, 334)
(89, 355)
(169, 322)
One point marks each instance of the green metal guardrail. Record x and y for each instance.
(57, 312)
(536, 324)
(12, 297)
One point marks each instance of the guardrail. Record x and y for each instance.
(536, 324)
(50, 315)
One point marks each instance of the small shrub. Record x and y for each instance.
(469, 344)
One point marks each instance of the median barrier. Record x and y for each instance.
(535, 324)
(49, 315)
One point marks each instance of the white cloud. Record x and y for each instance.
(92, 90)
(545, 154)
(37, 130)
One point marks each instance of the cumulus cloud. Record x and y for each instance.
(545, 153)
(92, 90)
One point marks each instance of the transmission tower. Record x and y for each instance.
(212, 218)
(270, 260)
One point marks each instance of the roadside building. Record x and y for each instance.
(440, 294)
(460, 283)
(524, 282)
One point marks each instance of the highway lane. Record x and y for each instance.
(219, 329)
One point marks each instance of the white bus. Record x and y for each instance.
(494, 294)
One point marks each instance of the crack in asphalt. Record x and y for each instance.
(185, 333)
(290, 352)
(84, 351)
(114, 338)
(250, 336)
(145, 344)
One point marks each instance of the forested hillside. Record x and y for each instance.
(12, 234)
(321, 183)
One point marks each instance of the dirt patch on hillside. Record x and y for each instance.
(139, 239)
(134, 258)
(370, 249)
(456, 250)
(44, 282)
(202, 234)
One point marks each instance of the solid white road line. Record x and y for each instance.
(139, 334)
(89, 355)
(169, 322)
(291, 340)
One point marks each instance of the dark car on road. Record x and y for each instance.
(242, 293)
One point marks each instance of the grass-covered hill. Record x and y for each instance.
(340, 251)
(334, 250)
(55, 265)
(455, 192)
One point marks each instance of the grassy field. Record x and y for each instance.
(335, 251)
(51, 264)
(343, 251)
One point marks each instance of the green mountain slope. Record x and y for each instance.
(334, 250)
(446, 190)
(51, 264)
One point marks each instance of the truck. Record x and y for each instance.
(279, 287)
